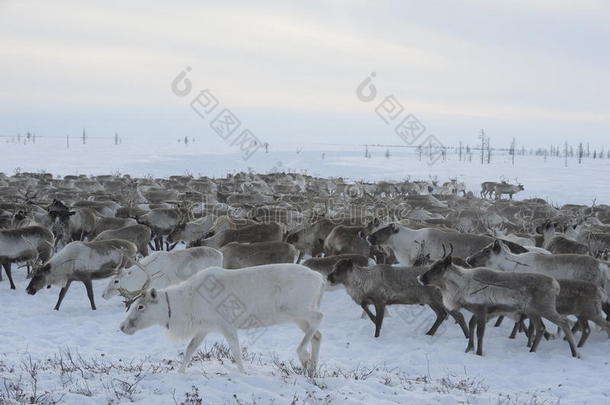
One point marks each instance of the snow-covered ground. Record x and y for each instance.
(78, 356)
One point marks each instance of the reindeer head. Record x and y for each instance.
(40, 278)
(177, 234)
(148, 310)
(128, 283)
(124, 285)
(340, 272)
(487, 255)
(382, 235)
(435, 275)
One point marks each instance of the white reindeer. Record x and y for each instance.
(265, 295)
(163, 269)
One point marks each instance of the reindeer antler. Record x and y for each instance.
(133, 296)
(37, 257)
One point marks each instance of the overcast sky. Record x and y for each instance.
(538, 70)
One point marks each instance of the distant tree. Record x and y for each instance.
(482, 136)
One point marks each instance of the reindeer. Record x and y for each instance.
(107, 223)
(161, 269)
(488, 187)
(248, 234)
(559, 244)
(68, 225)
(162, 222)
(402, 240)
(569, 266)
(270, 295)
(84, 262)
(484, 291)
(381, 285)
(239, 255)
(566, 266)
(138, 234)
(310, 238)
(504, 188)
(27, 244)
(349, 239)
(193, 231)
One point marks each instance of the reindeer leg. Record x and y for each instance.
(62, 294)
(89, 287)
(441, 315)
(367, 311)
(565, 326)
(190, 349)
(1, 270)
(606, 309)
(481, 321)
(7, 269)
(586, 330)
(471, 328)
(599, 321)
(459, 318)
(230, 335)
(513, 333)
(379, 312)
(499, 321)
(532, 332)
(539, 327)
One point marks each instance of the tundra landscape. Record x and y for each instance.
(302, 203)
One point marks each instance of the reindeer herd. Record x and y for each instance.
(178, 249)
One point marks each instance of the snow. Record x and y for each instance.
(402, 366)
(405, 366)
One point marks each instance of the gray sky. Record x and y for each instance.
(534, 69)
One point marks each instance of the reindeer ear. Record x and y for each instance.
(394, 228)
(153, 293)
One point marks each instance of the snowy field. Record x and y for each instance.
(550, 179)
(78, 356)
